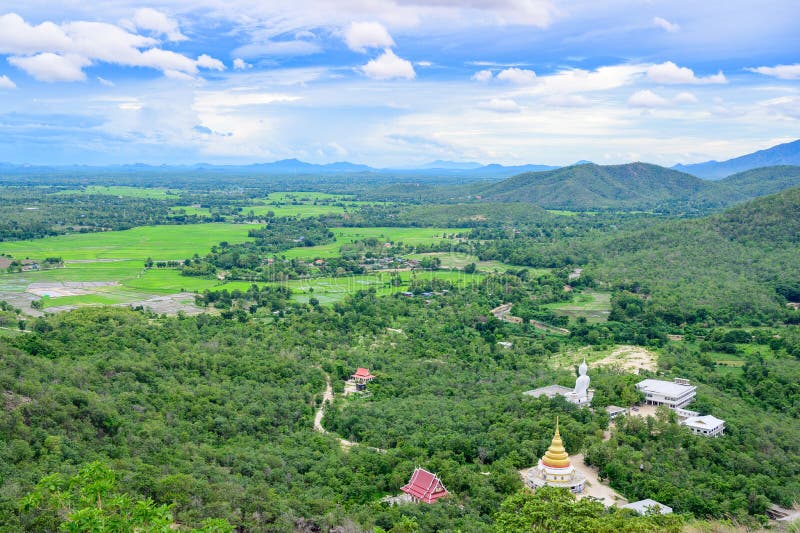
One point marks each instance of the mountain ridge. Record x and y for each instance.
(781, 154)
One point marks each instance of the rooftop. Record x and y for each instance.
(425, 486)
(643, 506)
(666, 388)
(706, 421)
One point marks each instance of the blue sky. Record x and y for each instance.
(396, 82)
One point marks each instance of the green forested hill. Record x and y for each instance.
(747, 185)
(590, 186)
(742, 262)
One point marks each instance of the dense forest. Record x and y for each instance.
(206, 422)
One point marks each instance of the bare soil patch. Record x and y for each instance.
(632, 358)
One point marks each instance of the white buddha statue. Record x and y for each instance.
(581, 391)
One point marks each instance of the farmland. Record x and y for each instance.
(116, 259)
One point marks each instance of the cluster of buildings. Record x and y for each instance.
(676, 395)
(555, 468)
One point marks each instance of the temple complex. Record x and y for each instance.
(555, 469)
(580, 395)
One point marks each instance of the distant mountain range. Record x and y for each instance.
(782, 154)
(297, 167)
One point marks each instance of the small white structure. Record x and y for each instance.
(707, 426)
(648, 506)
(673, 394)
(614, 411)
(580, 395)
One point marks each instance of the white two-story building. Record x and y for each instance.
(673, 394)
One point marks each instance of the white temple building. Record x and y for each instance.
(673, 394)
(707, 426)
(580, 395)
(555, 469)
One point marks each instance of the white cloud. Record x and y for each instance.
(158, 23)
(389, 66)
(787, 107)
(666, 25)
(50, 52)
(670, 73)
(647, 99)
(105, 82)
(19, 37)
(784, 72)
(685, 98)
(222, 101)
(483, 75)
(362, 35)
(178, 75)
(208, 62)
(501, 105)
(424, 64)
(579, 80)
(51, 67)
(240, 64)
(516, 75)
(6, 83)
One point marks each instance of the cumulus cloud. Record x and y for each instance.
(240, 64)
(483, 75)
(784, 72)
(51, 67)
(685, 98)
(670, 73)
(516, 75)
(665, 25)
(207, 62)
(6, 83)
(149, 19)
(19, 37)
(647, 99)
(388, 66)
(52, 53)
(360, 36)
(501, 105)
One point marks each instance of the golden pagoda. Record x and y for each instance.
(555, 468)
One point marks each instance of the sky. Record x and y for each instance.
(396, 83)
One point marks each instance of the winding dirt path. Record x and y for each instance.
(327, 397)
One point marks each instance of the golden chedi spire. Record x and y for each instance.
(556, 456)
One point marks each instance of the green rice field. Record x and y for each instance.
(133, 192)
(118, 258)
(412, 236)
(157, 242)
(595, 306)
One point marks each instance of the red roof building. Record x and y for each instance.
(424, 487)
(362, 375)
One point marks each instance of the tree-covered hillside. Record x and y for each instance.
(747, 185)
(591, 186)
(740, 263)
